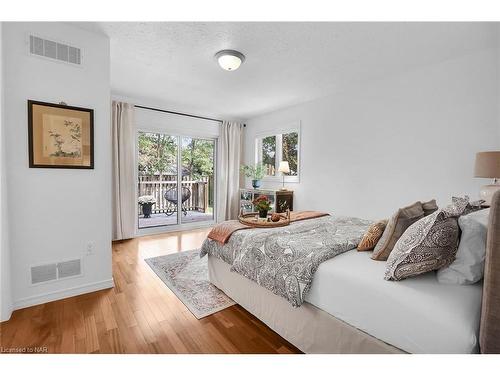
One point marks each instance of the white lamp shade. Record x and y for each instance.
(284, 167)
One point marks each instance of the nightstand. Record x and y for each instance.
(284, 200)
(281, 200)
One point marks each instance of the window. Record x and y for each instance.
(269, 154)
(270, 149)
(290, 151)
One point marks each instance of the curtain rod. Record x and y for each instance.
(180, 113)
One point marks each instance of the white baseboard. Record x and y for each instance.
(6, 313)
(65, 293)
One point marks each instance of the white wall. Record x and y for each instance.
(388, 143)
(54, 213)
(5, 293)
(175, 124)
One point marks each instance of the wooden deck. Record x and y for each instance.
(157, 220)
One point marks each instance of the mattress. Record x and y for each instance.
(417, 315)
(309, 328)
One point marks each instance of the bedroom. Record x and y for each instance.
(181, 187)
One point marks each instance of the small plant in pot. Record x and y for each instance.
(146, 202)
(256, 173)
(262, 205)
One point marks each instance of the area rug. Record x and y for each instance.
(186, 275)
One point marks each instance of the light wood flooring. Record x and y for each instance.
(139, 315)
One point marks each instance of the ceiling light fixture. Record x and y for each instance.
(229, 59)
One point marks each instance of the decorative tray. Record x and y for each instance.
(252, 219)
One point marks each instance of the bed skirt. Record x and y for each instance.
(310, 329)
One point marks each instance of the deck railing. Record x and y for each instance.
(198, 201)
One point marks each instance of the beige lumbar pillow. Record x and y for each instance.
(429, 207)
(372, 235)
(399, 222)
(429, 244)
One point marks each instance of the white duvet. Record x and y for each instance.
(417, 315)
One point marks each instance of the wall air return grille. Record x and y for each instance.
(41, 274)
(69, 268)
(54, 50)
(56, 271)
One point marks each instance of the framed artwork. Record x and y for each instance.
(60, 136)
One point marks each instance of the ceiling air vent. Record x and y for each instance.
(56, 271)
(54, 50)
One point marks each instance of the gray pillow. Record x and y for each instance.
(468, 266)
(428, 244)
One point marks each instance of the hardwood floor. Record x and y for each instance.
(139, 315)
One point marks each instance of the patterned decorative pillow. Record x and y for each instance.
(396, 226)
(471, 206)
(429, 207)
(429, 244)
(372, 235)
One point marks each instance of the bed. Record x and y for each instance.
(349, 308)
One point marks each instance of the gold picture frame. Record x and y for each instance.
(60, 136)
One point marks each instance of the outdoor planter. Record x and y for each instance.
(146, 202)
(146, 209)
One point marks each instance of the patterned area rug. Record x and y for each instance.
(187, 276)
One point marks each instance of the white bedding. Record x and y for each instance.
(417, 315)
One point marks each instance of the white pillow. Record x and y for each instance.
(468, 266)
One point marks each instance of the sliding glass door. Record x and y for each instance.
(176, 180)
(197, 163)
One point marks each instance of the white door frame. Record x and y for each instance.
(179, 226)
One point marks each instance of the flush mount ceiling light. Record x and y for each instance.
(229, 59)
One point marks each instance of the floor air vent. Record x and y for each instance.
(56, 271)
(54, 50)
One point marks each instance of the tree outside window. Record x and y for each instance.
(290, 151)
(269, 155)
(271, 149)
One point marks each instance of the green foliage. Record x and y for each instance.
(269, 152)
(256, 172)
(262, 203)
(197, 157)
(158, 156)
(291, 151)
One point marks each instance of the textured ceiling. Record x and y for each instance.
(286, 63)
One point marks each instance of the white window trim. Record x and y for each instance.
(289, 128)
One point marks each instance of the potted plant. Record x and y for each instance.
(146, 202)
(256, 173)
(262, 205)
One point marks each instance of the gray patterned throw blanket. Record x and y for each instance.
(285, 259)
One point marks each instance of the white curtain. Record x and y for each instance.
(124, 199)
(231, 135)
